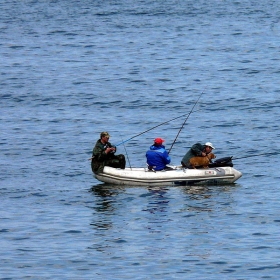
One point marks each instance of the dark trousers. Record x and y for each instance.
(116, 161)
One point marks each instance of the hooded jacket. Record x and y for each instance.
(157, 157)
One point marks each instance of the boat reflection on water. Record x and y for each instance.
(107, 196)
(145, 209)
(105, 204)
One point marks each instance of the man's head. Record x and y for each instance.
(104, 136)
(209, 147)
(158, 141)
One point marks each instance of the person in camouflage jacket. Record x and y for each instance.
(103, 154)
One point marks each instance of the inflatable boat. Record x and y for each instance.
(221, 171)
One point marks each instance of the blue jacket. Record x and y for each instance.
(157, 157)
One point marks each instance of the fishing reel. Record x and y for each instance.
(111, 152)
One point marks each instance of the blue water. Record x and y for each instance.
(71, 69)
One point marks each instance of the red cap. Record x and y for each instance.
(159, 141)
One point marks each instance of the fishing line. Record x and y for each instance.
(274, 153)
(153, 128)
(184, 122)
(126, 155)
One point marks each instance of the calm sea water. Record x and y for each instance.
(71, 69)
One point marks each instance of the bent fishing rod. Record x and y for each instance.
(151, 129)
(184, 122)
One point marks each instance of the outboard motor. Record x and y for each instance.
(226, 161)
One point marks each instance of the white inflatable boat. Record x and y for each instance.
(178, 175)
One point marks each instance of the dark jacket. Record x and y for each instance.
(194, 151)
(101, 159)
(98, 152)
(157, 157)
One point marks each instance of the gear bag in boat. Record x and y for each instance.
(226, 161)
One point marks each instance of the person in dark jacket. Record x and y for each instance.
(103, 154)
(157, 156)
(197, 150)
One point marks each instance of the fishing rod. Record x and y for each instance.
(184, 122)
(274, 153)
(151, 129)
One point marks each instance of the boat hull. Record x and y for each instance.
(179, 175)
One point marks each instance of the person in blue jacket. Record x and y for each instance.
(157, 156)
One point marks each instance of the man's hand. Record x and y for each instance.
(110, 150)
